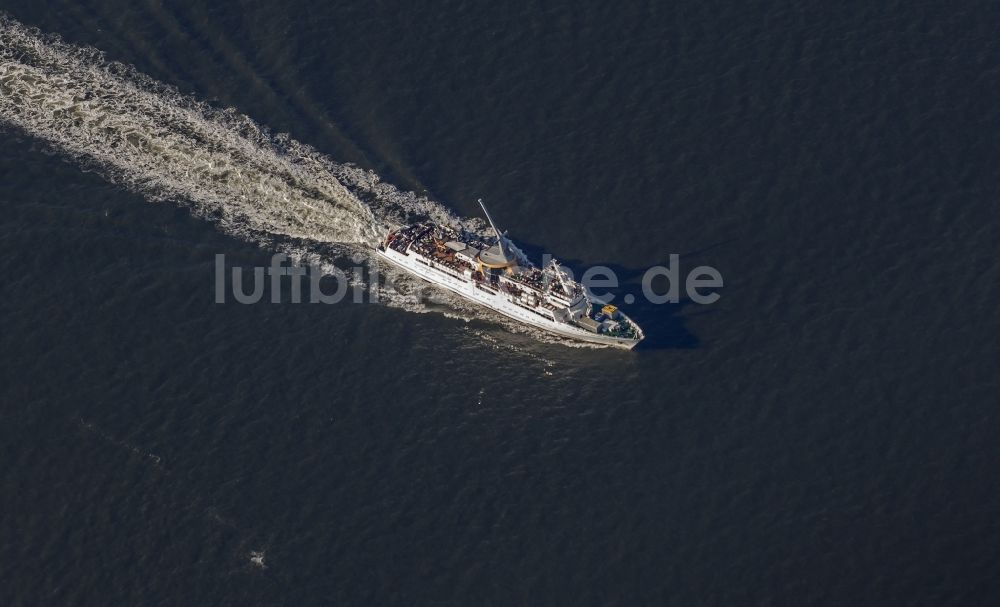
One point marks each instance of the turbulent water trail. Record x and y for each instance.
(146, 136)
(150, 138)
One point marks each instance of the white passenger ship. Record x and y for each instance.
(498, 276)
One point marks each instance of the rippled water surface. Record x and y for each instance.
(824, 434)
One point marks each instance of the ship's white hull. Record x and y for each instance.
(496, 301)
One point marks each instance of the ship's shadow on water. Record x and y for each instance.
(662, 324)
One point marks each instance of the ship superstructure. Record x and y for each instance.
(492, 272)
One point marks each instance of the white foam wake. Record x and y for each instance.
(150, 138)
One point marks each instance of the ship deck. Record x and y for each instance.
(461, 254)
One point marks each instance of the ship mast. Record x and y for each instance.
(557, 270)
(500, 239)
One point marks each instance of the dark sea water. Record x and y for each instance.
(824, 434)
